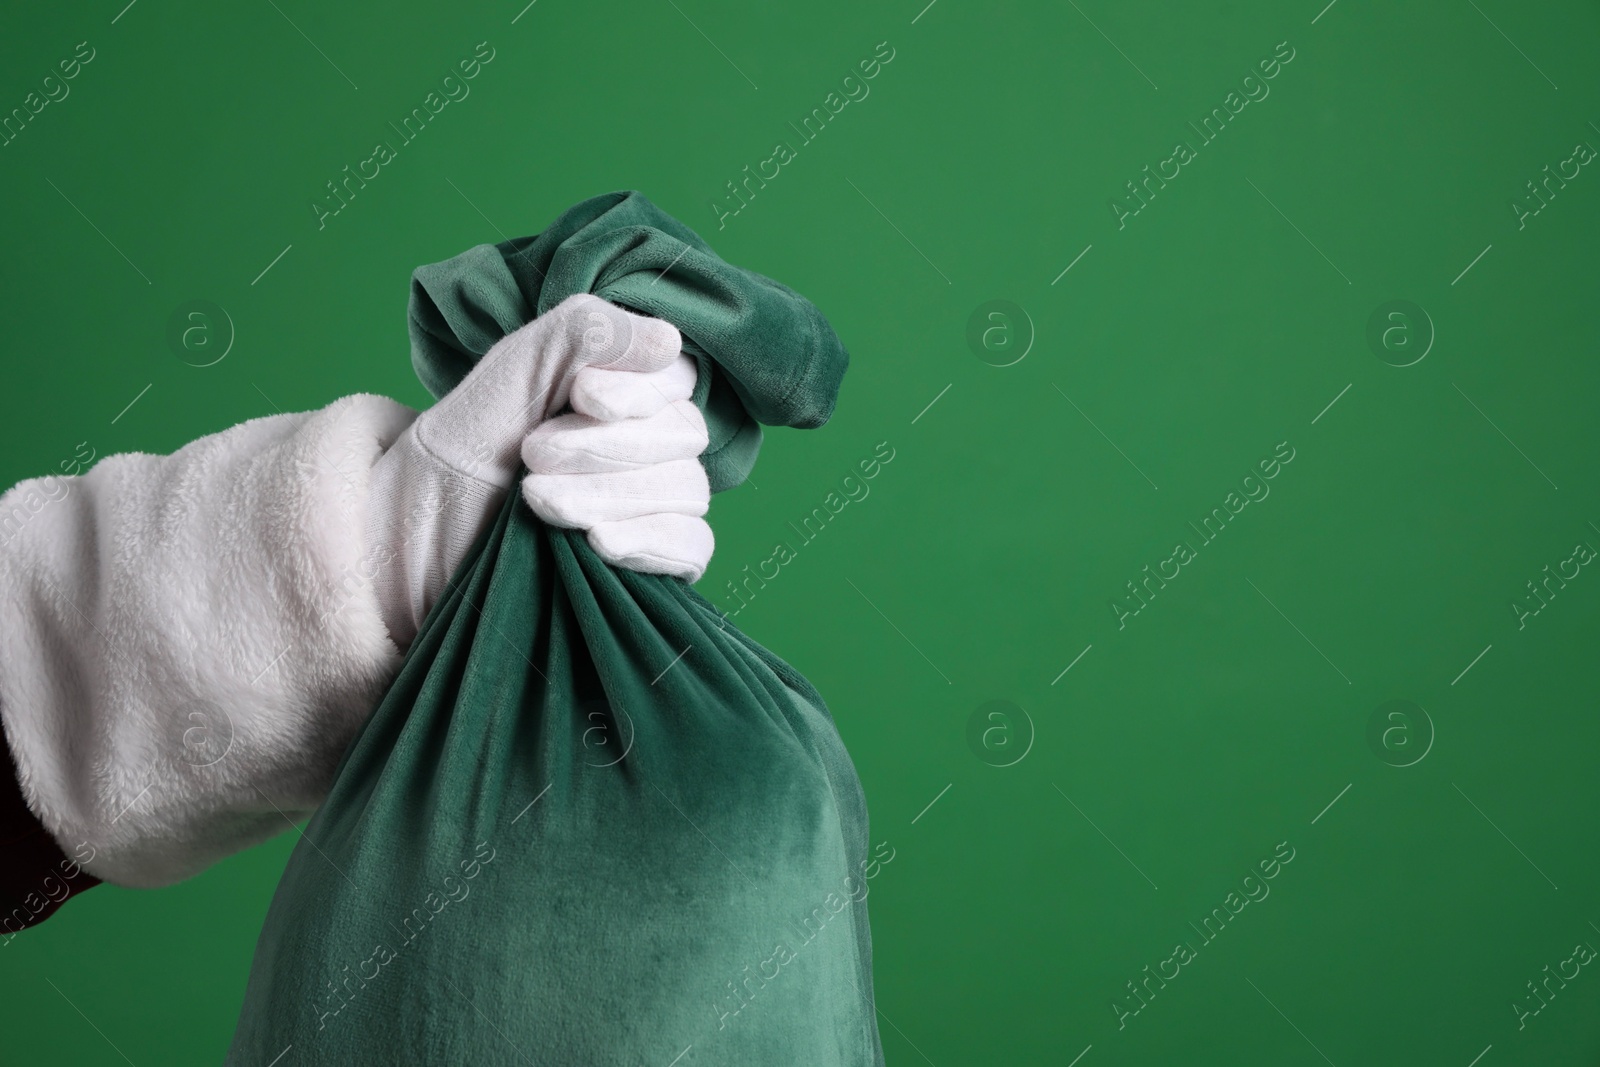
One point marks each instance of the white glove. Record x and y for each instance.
(624, 469)
(441, 484)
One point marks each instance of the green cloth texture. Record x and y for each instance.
(591, 822)
(777, 361)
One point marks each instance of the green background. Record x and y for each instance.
(1177, 752)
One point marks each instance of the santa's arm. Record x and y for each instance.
(188, 643)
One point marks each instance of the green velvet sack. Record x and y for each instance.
(591, 822)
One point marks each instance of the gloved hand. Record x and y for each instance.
(623, 468)
(443, 481)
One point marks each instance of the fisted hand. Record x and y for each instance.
(622, 466)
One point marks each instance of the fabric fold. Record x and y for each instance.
(590, 822)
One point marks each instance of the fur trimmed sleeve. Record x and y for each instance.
(188, 643)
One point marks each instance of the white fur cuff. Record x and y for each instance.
(188, 643)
